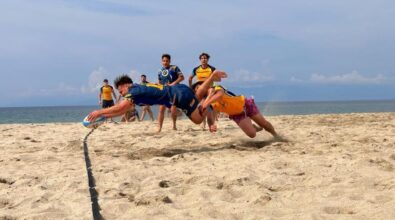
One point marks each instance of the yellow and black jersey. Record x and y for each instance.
(106, 92)
(202, 74)
(229, 103)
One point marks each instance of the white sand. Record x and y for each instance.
(334, 167)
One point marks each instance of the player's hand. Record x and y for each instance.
(218, 75)
(204, 106)
(93, 115)
(213, 128)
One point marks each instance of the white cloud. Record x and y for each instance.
(349, 78)
(353, 78)
(95, 80)
(243, 76)
(117, 32)
(66, 89)
(296, 80)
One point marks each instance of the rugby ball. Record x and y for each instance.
(93, 124)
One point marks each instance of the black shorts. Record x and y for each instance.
(183, 97)
(107, 103)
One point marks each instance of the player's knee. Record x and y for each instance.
(196, 120)
(251, 134)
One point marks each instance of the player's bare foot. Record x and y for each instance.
(213, 128)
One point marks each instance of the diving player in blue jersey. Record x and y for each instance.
(178, 96)
(169, 75)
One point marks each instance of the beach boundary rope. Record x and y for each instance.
(91, 181)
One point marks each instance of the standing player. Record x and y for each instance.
(202, 72)
(169, 75)
(106, 95)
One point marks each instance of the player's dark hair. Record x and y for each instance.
(204, 54)
(196, 84)
(166, 55)
(121, 80)
(143, 75)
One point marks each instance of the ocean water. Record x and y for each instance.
(77, 113)
(332, 107)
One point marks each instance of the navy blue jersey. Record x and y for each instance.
(179, 95)
(184, 98)
(149, 94)
(168, 75)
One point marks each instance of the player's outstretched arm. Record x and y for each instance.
(212, 97)
(116, 110)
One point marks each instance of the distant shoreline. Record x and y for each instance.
(185, 119)
(59, 114)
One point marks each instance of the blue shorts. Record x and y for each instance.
(184, 98)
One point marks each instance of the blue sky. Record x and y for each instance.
(56, 52)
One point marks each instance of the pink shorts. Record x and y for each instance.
(250, 109)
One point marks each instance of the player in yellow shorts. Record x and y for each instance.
(240, 109)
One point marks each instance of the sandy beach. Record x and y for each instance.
(339, 166)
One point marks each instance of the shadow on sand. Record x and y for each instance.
(148, 153)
